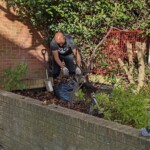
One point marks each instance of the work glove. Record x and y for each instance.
(65, 71)
(78, 71)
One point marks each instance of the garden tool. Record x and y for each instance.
(78, 80)
(48, 82)
(94, 102)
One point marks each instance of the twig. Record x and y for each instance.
(99, 45)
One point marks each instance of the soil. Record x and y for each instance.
(78, 105)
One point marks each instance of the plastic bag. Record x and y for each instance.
(64, 91)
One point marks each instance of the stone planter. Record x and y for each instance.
(26, 124)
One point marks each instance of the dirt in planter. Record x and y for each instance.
(82, 105)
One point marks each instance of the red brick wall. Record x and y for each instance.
(19, 43)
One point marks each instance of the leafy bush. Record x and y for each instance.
(126, 106)
(87, 20)
(13, 76)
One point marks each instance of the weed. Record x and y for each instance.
(12, 77)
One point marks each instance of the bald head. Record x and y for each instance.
(59, 38)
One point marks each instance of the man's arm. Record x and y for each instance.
(77, 56)
(55, 53)
(57, 59)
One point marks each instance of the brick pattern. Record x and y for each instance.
(19, 43)
(26, 124)
(35, 83)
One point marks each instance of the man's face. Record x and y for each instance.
(61, 40)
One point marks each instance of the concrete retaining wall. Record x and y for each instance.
(26, 124)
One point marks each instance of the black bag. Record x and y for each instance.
(64, 91)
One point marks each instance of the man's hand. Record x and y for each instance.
(65, 71)
(78, 71)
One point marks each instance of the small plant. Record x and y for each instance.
(97, 105)
(111, 78)
(104, 102)
(101, 98)
(12, 77)
(80, 95)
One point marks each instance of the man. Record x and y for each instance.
(63, 50)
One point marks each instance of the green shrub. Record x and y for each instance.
(126, 106)
(12, 77)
